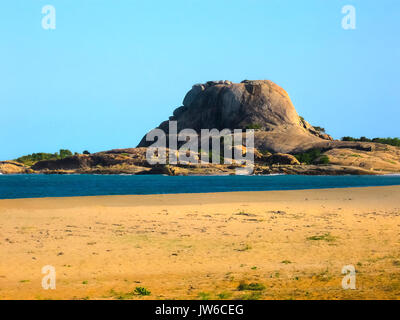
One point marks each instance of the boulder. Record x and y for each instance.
(192, 94)
(259, 104)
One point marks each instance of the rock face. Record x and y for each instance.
(12, 167)
(259, 104)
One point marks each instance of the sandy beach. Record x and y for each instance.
(288, 244)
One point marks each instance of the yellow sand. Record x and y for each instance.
(193, 246)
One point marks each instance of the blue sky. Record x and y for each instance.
(112, 70)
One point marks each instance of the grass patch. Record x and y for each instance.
(250, 296)
(243, 286)
(204, 295)
(313, 156)
(286, 262)
(324, 237)
(324, 276)
(24, 281)
(139, 291)
(122, 296)
(224, 295)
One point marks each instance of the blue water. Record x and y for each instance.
(37, 186)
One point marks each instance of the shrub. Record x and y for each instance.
(65, 153)
(348, 139)
(253, 126)
(324, 159)
(390, 141)
(320, 129)
(313, 156)
(251, 286)
(141, 291)
(31, 159)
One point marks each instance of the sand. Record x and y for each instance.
(289, 244)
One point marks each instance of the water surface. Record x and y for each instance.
(37, 186)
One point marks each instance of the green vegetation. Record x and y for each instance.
(210, 156)
(251, 286)
(390, 141)
(320, 129)
(253, 126)
(224, 295)
(31, 159)
(121, 296)
(324, 276)
(255, 295)
(317, 128)
(313, 156)
(204, 295)
(141, 291)
(286, 262)
(325, 237)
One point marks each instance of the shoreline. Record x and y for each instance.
(194, 194)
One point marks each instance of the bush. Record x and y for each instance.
(31, 159)
(65, 153)
(142, 291)
(324, 159)
(390, 141)
(251, 286)
(348, 139)
(313, 156)
(320, 129)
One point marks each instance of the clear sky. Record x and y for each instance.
(112, 70)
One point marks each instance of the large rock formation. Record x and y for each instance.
(259, 104)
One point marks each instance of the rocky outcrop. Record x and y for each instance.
(313, 170)
(13, 167)
(259, 104)
(97, 161)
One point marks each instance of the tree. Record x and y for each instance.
(320, 129)
(65, 153)
(85, 152)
